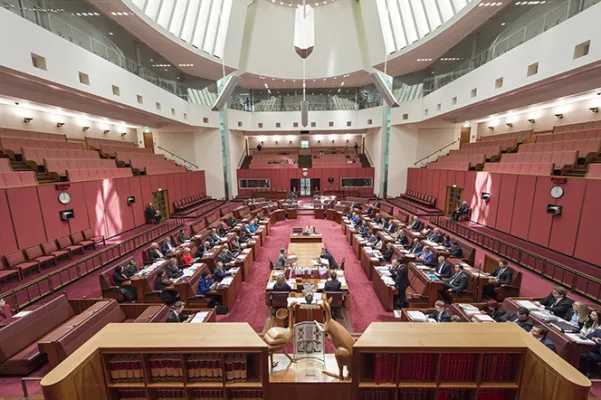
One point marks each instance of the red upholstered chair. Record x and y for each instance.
(89, 235)
(78, 239)
(337, 301)
(279, 300)
(64, 243)
(7, 273)
(16, 260)
(50, 249)
(35, 253)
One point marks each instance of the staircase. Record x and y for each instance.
(19, 166)
(364, 161)
(246, 162)
(41, 177)
(305, 161)
(577, 170)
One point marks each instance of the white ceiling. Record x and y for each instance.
(297, 132)
(352, 80)
(294, 3)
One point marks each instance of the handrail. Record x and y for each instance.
(431, 154)
(175, 155)
(368, 156)
(241, 160)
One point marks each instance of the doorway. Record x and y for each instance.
(160, 200)
(305, 187)
(316, 184)
(148, 140)
(465, 135)
(294, 184)
(454, 199)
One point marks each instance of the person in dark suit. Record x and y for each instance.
(200, 250)
(400, 274)
(332, 285)
(173, 270)
(326, 254)
(388, 253)
(219, 272)
(368, 211)
(130, 269)
(181, 235)
(443, 268)
(459, 211)
(213, 237)
(435, 236)
(129, 292)
(416, 224)
(281, 285)
(458, 282)
(154, 253)
(494, 311)
(231, 222)
(372, 238)
(416, 248)
(224, 256)
(441, 314)
(377, 204)
(177, 313)
(446, 242)
(456, 251)
(282, 259)
(589, 361)
(502, 274)
(151, 214)
(160, 282)
(391, 227)
(168, 295)
(557, 302)
(378, 219)
(522, 319)
(540, 332)
(167, 247)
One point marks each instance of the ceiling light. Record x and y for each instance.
(27, 120)
(59, 124)
(531, 120)
(503, 24)
(509, 124)
(111, 33)
(594, 109)
(560, 116)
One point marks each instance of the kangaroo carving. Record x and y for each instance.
(341, 339)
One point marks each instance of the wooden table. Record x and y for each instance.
(280, 214)
(291, 213)
(301, 238)
(384, 292)
(305, 252)
(187, 287)
(210, 256)
(368, 261)
(145, 283)
(319, 213)
(229, 294)
(245, 262)
(330, 214)
(358, 243)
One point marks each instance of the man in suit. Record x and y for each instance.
(282, 259)
(213, 237)
(377, 204)
(435, 236)
(154, 253)
(400, 274)
(152, 214)
(231, 222)
(219, 272)
(332, 285)
(458, 282)
(522, 318)
(378, 219)
(326, 254)
(224, 256)
(181, 235)
(173, 270)
(426, 256)
(368, 211)
(416, 248)
(177, 313)
(502, 274)
(416, 224)
(456, 251)
(167, 247)
(462, 210)
(443, 268)
(589, 361)
(540, 332)
(441, 314)
(372, 239)
(557, 302)
(391, 227)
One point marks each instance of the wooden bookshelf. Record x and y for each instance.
(397, 361)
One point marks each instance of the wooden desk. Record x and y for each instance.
(210, 256)
(319, 213)
(229, 294)
(358, 243)
(145, 283)
(384, 292)
(368, 261)
(261, 232)
(300, 238)
(305, 252)
(291, 213)
(297, 285)
(280, 214)
(330, 214)
(187, 286)
(245, 262)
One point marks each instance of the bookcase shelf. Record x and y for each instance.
(204, 385)
(458, 385)
(126, 385)
(166, 385)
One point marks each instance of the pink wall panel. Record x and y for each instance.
(78, 204)
(506, 200)
(135, 189)
(177, 187)
(112, 209)
(146, 190)
(442, 189)
(126, 211)
(27, 216)
(155, 183)
(564, 230)
(587, 244)
(435, 185)
(163, 181)
(51, 207)
(203, 183)
(469, 192)
(171, 190)
(8, 242)
(95, 204)
(460, 179)
(540, 221)
(428, 187)
(524, 197)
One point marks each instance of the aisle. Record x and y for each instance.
(250, 306)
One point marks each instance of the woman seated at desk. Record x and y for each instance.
(446, 242)
(119, 279)
(591, 324)
(161, 283)
(280, 284)
(206, 286)
(130, 269)
(494, 311)
(379, 244)
(578, 314)
(187, 257)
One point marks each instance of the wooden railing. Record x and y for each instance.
(578, 282)
(50, 283)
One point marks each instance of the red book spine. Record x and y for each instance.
(377, 370)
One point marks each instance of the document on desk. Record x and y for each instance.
(417, 316)
(189, 271)
(544, 315)
(432, 277)
(226, 282)
(199, 318)
(576, 337)
(21, 314)
(324, 261)
(527, 304)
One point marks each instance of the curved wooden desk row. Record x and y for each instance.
(534, 372)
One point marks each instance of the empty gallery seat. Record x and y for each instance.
(59, 167)
(504, 144)
(559, 158)
(17, 179)
(594, 171)
(572, 135)
(543, 169)
(111, 150)
(163, 170)
(35, 156)
(97, 173)
(11, 146)
(143, 161)
(452, 166)
(19, 133)
(472, 159)
(581, 126)
(94, 143)
(586, 148)
(519, 136)
(5, 165)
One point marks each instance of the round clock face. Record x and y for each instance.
(64, 198)
(305, 173)
(556, 192)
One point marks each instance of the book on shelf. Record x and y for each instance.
(415, 394)
(206, 394)
(169, 394)
(495, 394)
(457, 367)
(454, 394)
(131, 394)
(385, 368)
(126, 368)
(166, 367)
(236, 368)
(205, 367)
(497, 367)
(249, 394)
(376, 394)
(416, 367)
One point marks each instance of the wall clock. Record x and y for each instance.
(556, 192)
(64, 198)
(305, 173)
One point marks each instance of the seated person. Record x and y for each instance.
(246, 229)
(177, 313)
(187, 257)
(416, 248)
(443, 268)
(161, 281)
(578, 314)
(458, 282)
(426, 256)
(354, 217)
(435, 236)
(388, 253)
(416, 224)
(391, 227)
(368, 211)
(223, 229)
(151, 214)
(589, 362)
(364, 230)
(495, 311)
(425, 232)
(231, 222)
(456, 251)
(282, 259)
(154, 253)
(455, 318)
(459, 211)
(401, 238)
(173, 270)
(280, 284)
(441, 314)
(235, 243)
(446, 242)
(309, 230)
(502, 274)
(379, 244)
(167, 246)
(557, 302)
(219, 272)
(378, 219)
(540, 332)
(200, 250)
(5, 312)
(522, 318)
(333, 284)
(377, 204)
(225, 256)
(181, 235)
(129, 292)
(252, 227)
(591, 324)
(213, 237)
(244, 236)
(372, 238)
(205, 286)
(130, 269)
(326, 254)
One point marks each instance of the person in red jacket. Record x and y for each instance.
(187, 257)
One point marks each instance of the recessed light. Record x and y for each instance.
(111, 33)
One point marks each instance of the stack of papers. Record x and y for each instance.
(199, 317)
(417, 316)
(398, 313)
(469, 309)
(575, 337)
(384, 271)
(527, 304)
(226, 282)
(544, 315)
(482, 318)
(388, 281)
